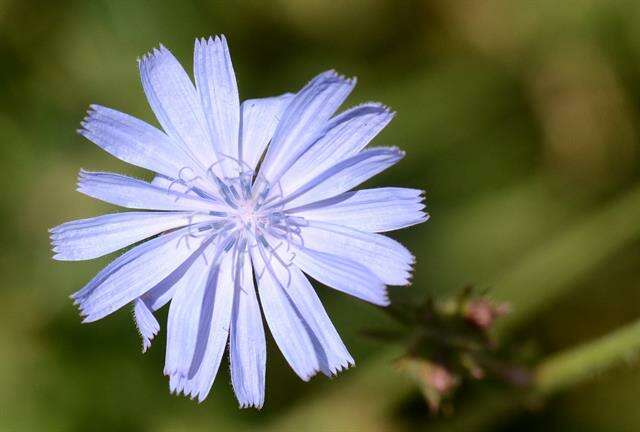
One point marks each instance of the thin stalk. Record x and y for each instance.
(575, 365)
(553, 375)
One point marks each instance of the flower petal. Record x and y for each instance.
(342, 274)
(162, 293)
(94, 237)
(137, 194)
(134, 141)
(147, 324)
(190, 309)
(345, 136)
(260, 118)
(212, 333)
(371, 210)
(136, 272)
(383, 256)
(176, 104)
(218, 90)
(344, 176)
(247, 347)
(297, 320)
(303, 121)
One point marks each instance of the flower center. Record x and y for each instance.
(255, 215)
(251, 203)
(246, 214)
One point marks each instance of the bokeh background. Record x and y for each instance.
(520, 118)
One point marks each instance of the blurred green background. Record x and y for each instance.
(520, 118)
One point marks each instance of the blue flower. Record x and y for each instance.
(245, 195)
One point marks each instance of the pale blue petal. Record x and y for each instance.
(260, 118)
(136, 272)
(216, 84)
(94, 237)
(189, 309)
(342, 274)
(297, 320)
(147, 324)
(137, 194)
(287, 327)
(213, 332)
(372, 210)
(134, 141)
(176, 104)
(152, 300)
(344, 176)
(247, 346)
(345, 136)
(383, 256)
(303, 121)
(161, 294)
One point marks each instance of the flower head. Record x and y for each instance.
(247, 198)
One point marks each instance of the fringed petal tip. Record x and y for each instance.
(75, 297)
(83, 174)
(87, 314)
(152, 55)
(182, 385)
(384, 300)
(395, 153)
(81, 180)
(57, 256)
(252, 404)
(405, 277)
(332, 76)
(57, 247)
(409, 273)
(377, 106)
(422, 197)
(209, 40)
(347, 364)
(92, 112)
(85, 319)
(330, 371)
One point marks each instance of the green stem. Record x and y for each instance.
(555, 374)
(578, 364)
